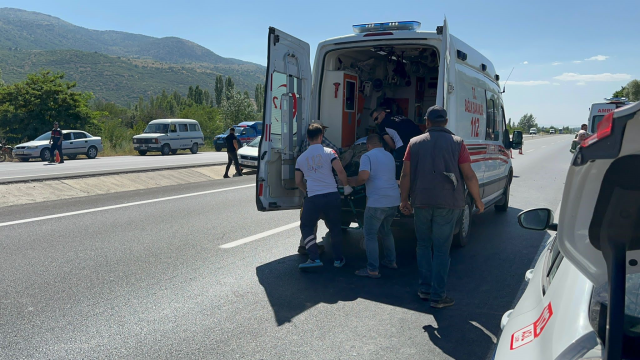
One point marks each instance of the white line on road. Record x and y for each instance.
(260, 236)
(531, 150)
(120, 206)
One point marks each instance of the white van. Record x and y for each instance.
(168, 136)
(353, 74)
(597, 111)
(533, 131)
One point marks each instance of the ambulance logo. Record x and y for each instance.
(531, 332)
(604, 111)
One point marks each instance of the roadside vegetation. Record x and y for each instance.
(29, 108)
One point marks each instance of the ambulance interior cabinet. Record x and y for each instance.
(338, 107)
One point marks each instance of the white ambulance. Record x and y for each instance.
(597, 111)
(355, 73)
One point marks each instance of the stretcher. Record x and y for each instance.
(356, 195)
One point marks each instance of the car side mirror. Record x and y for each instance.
(516, 141)
(537, 219)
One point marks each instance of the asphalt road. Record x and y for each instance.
(38, 170)
(150, 274)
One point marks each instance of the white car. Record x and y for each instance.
(168, 136)
(568, 310)
(552, 131)
(533, 131)
(74, 143)
(248, 154)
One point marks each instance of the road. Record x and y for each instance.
(194, 271)
(38, 170)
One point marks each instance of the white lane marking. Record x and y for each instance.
(260, 236)
(119, 206)
(531, 150)
(491, 336)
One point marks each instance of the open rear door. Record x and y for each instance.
(286, 115)
(445, 87)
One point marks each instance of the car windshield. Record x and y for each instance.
(255, 142)
(157, 128)
(44, 137)
(238, 130)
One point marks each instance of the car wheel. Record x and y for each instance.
(194, 148)
(23, 159)
(72, 157)
(218, 148)
(174, 151)
(462, 237)
(142, 152)
(3, 157)
(45, 155)
(166, 150)
(505, 205)
(92, 152)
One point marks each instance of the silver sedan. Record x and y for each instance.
(74, 143)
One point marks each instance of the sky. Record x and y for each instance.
(565, 54)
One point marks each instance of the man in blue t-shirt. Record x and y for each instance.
(377, 172)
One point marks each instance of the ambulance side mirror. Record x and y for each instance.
(537, 219)
(516, 139)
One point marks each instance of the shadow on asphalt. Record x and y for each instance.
(484, 279)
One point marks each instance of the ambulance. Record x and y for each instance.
(380, 62)
(597, 111)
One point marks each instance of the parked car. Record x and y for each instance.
(568, 310)
(246, 132)
(552, 131)
(248, 155)
(168, 136)
(74, 143)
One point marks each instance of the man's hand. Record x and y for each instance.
(406, 208)
(479, 206)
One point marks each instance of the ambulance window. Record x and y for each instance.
(491, 119)
(554, 259)
(595, 121)
(279, 86)
(350, 96)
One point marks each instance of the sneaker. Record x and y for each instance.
(61, 162)
(367, 273)
(389, 265)
(227, 176)
(303, 250)
(424, 295)
(447, 301)
(339, 263)
(310, 264)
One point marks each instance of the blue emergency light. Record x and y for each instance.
(387, 26)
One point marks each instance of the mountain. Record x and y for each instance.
(115, 66)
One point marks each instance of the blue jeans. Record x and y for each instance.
(377, 220)
(434, 227)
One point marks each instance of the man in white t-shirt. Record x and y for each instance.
(314, 175)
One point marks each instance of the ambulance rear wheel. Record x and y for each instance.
(464, 225)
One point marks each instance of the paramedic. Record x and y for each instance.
(314, 176)
(405, 128)
(435, 166)
(377, 172)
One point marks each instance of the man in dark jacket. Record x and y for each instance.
(435, 166)
(404, 126)
(55, 143)
(232, 153)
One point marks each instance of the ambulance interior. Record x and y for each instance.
(356, 81)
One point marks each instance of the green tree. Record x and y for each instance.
(632, 90)
(218, 90)
(618, 93)
(29, 108)
(527, 121)
(259, 97)
(237, 109)
(209, 118)
(1, 81)
(229, 88)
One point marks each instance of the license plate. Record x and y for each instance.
(19, 152)
(143, 146)
(249, 162)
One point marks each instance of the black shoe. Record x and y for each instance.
(237, 174)
(424, 295)
(61, 162)
(303, 250)
(226, 176)
(447, 301)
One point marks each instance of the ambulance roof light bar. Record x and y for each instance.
(616, 100)
(387, 26)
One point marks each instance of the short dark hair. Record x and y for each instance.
(584, 125)
(232, 129)
(377, 109)
(314, 131)
(374, 139)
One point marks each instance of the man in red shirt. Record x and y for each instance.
(435, 166)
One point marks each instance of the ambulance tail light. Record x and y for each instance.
(605, 128)
(387, 26)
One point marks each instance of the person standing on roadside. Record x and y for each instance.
(55, 143)
(232, 153)
(435, 166)
(314, 176)
(377, 172)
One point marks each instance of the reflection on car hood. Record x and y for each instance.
(34, 143)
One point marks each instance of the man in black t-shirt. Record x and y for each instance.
(55, 143)
(232, 153)
(404, 126)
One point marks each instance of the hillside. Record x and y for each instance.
(29, 30)
(121, 79)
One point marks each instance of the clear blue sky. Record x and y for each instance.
(531, 36)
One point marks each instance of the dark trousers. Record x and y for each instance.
(55, 146)
(398, 155)
(233, 159)
(329, 205)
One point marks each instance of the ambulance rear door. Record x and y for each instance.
(286, 114)
(597, 113)
(446, 86)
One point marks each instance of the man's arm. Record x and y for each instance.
(300, 181)
(405, 188)
(342, 175)
(471, 180)
(362, 178)
(389, 141)
(235, 144)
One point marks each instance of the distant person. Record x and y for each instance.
(583, 127)
(55, 143)
(232, 153)
(436, 168)
(377, 172)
